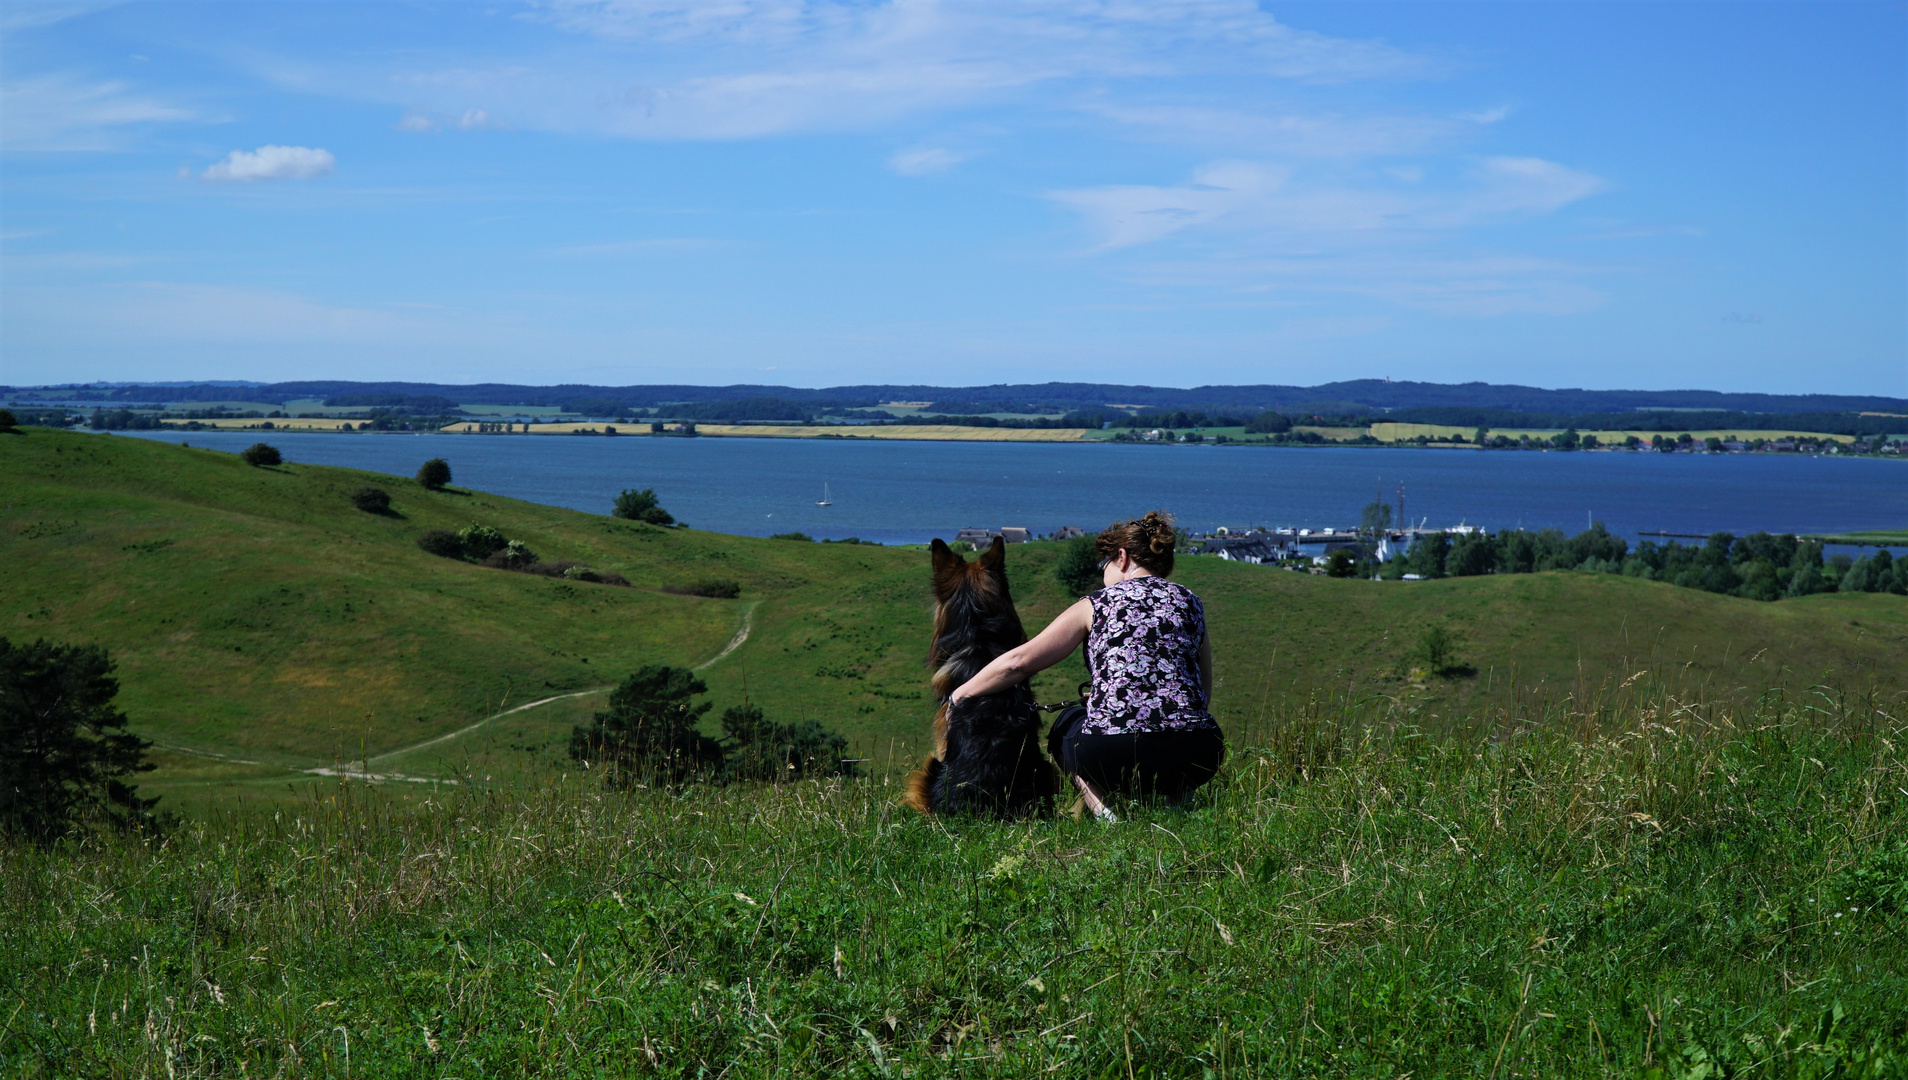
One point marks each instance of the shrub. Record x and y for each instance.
(580, 572)
(791, 536)
(372, 500)
(442, 542)
(716, 588)
(1342, 562)
(641, 506)
(7, 420)
(434, 473)
(1438, 650)
(512, 556)
(481, 541)
(261, 454)
(1077, 569)
(649, 730)
(760, 749)
(64, 748)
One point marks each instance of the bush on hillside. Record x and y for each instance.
(1437, 650)
(715, 588)
(634, 505)
(443, 543)
(7, 420)
(480, 542)
(791, 536)
(1077, 569)
(372, 500)
(648, 732)
(64, 748)
(563, 568)
(434, 473)
(514, 555)
(259, 455)
(757, 748)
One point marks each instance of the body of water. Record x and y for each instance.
(908, 492)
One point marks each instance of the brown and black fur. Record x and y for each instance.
(987, 756)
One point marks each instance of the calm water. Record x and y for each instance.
(899, 492)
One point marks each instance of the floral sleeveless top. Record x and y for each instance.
(1143, 655)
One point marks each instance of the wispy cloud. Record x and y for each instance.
(66, 112)
(922, 160)
(738, 69)
(1254, 198)
(272, 163)
(471, 120)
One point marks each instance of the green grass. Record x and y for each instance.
(1631, 886)
(257, 616)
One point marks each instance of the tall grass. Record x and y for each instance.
(1618, 883)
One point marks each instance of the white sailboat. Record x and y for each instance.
(823, 501)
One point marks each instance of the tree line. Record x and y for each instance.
(1759, 566)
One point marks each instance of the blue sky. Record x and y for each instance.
(1599, 194)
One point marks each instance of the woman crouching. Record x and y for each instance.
(1147, 728)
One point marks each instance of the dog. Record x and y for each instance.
(986, 756)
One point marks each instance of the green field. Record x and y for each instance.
(1656, 832)
(256, 615)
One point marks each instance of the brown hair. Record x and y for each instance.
(1149, 541)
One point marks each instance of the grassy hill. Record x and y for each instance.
(256, 615)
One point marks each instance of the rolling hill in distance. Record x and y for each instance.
(264, 627)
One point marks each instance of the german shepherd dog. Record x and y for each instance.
(987, 756)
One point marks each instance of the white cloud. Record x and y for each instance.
(737, 69)
(272, 163)
(922, 160)
(66, 112)
(471, 120)
(1257, 199)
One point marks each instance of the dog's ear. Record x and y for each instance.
(949, 569)
(994, 559)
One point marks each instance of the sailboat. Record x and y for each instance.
(823, 501)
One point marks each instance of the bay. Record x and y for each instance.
(909, 492)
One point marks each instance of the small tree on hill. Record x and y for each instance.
(372, 500)
(1077, 569)
(7, 420)
(635, 505)
(434, 473)
(261, 454)
(761, 749)
(649, 730)
(63, 747)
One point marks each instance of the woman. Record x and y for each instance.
(1147, 728)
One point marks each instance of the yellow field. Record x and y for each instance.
(1398, 432)
(941, 432)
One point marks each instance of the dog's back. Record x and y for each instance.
(986, 750)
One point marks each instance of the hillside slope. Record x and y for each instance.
(256, 614)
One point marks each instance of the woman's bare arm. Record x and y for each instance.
(1015, 666)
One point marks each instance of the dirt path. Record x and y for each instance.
(741, 635)
(365, 773)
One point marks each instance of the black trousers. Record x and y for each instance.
(1167, 764)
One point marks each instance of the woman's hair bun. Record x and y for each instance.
(1149, 541)
(1160, 535)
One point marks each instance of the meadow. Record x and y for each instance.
(1632, 886)
(1643, 831)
